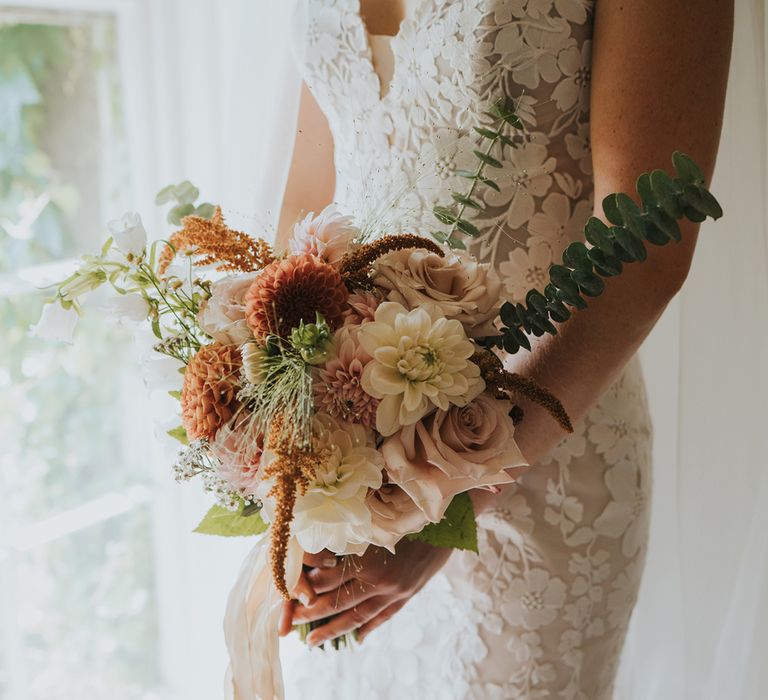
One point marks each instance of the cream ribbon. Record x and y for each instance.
(250, 625)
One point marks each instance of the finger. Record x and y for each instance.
(321, 560)
(334, 602)
(286, 618)
(304, 591)
(380, 619)
(348, 621)
(324, 580)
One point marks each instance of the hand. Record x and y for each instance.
(361, 593)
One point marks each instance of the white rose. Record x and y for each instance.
(463, 288)
(129, 234)
(56, 323)
(223, 315)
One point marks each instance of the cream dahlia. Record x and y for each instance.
(293, 290)
(327, 236)
(338, 389)
(420, 362)
(332, 512)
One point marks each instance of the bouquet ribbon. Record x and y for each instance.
(250, 625)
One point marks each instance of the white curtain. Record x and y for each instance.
(224, 94)
(211, 96)
(700, 629)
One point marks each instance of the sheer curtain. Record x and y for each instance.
(701, 626)
(224, 94)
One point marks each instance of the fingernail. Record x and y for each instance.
(304, 599)
(330, 563)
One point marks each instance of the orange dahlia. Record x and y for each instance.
(209, 395)
(292, 290)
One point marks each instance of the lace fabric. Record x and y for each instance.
(542, 611)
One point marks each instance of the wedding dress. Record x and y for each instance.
(542, 611)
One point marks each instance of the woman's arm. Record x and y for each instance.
(659, 73)
(659, 76)
(312, 177)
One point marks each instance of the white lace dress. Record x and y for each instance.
(542, 611)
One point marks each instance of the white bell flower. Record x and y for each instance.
(56, 323)
(128, 234)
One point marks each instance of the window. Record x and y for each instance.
(77, 551)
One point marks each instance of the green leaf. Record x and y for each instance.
(186, 192)
(225, 523)
(178, 212)
(665, 223)
(465, 227)
(487, 133)
(179, 434)
(630, 244)
(456, 243)
(444, 215)
(165, 195)
(599, 235)
(468, 174)
(175, 395)
(156, 328)
(576, 253)
(456, 530)
(488, 159)
(686, 169)
(502, 111)
(589, 283)
(631, 215)
(606, 265)
(611, 209)
(467, 201)
(665, 191)
(107, 245)
(645, 191)
(696, 197)
(490, 183)
(205, 210)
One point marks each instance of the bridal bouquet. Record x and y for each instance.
(348, 392)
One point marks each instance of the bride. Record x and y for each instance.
(605, 90)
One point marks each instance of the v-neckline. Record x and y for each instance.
(368, 53)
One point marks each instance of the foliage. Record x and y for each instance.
(456, 530)
(225, 523)
(503, 116)
(664, 200)
(184, 195)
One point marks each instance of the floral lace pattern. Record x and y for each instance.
(543, 610)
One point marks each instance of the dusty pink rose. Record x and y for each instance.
(463, 288)
(337, 387)
(452, 451)
(237, 448)
(394, 514)
(362, 308)
(223, 315)
(327, 236)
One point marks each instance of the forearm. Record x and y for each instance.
(592, 348)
